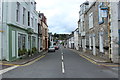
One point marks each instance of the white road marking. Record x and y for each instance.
(8, 69)
(62, 57)
(62, 53)
(63, 68)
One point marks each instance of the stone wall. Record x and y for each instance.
(97, 28)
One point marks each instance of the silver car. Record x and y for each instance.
(51, 49)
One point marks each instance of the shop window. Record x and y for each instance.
(21, 41)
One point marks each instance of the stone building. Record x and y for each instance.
(100, 35)
(96, 28)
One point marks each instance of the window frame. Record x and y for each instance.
(24, 11)
(91, 20)
(18, 12)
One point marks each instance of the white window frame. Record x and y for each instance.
(18, 12)
(26, 41)
(91, 20)
(24, 15)
(32, 22)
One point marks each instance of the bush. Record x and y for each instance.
(34, 50)
(19, 52)
(29, 52)
(22, 52)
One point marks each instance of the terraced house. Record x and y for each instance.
(98, 29)
(20, 29)
(44, 31)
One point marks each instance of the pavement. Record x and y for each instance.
(96, 59)
(23, 61)
(63, 63)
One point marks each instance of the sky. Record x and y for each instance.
(62, 15)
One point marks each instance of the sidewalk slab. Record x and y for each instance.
(4, 67)
(25, 60)
(97, 59)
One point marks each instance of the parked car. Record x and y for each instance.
(51, 49)
(56, 47)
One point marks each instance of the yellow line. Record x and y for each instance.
(9, 64)
(98, 63)
(1, 31)
(24, 64)
(33, 61)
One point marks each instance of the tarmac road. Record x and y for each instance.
(61, 64)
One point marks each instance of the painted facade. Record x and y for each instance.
(1, 31)
(20, 28)
(76, 37)
(81, 25)
(114, 26)
(44, 28)
(50, 42)
(71, 41)
(39, 33)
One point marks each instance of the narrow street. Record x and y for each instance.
(62, 64)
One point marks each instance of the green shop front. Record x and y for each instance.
(21, 41)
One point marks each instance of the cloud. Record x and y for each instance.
(62, 15)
